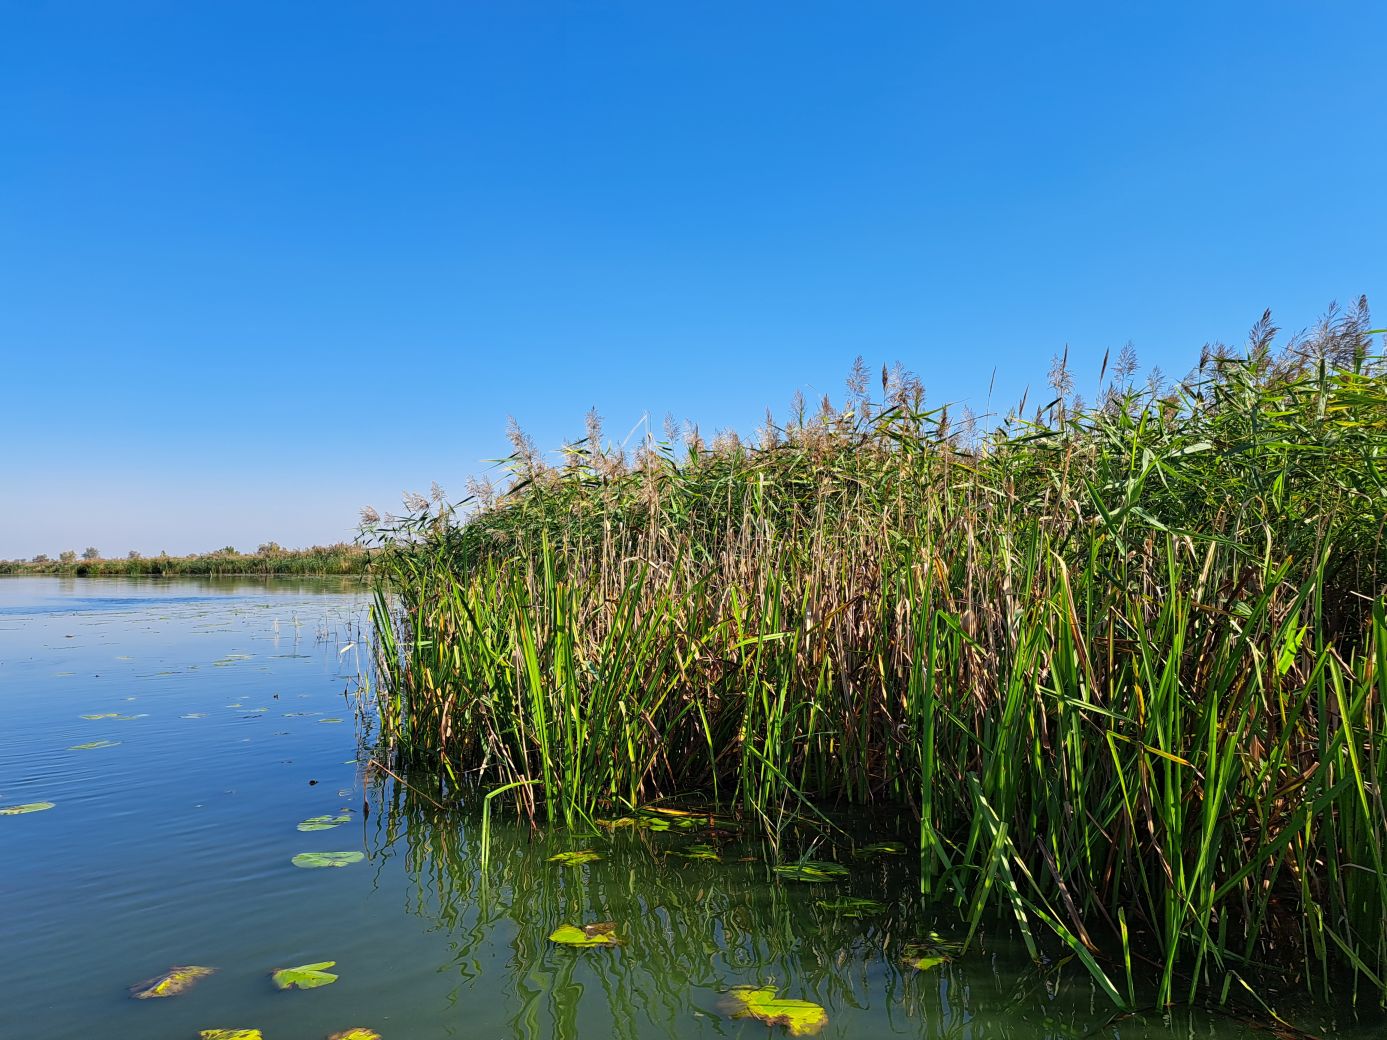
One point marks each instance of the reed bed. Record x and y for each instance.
(1125, 663)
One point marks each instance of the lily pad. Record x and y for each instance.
(93, 745)
(883, 848)
(799, 1017)
(700, 851)
(178, 979)
(851, 907)
(575, 859)
(305, 976)
(323, 823)
(20, 810)
(603, 933)
(103, 715)
(356, 1034)
(327, 859)
(925, 961)
(231, 1034)
(812, 870)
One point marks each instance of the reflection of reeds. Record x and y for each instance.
(1128, 659)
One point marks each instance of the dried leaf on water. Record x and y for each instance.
(230, 1034)
(602, 933)
(327, 859)
(178, 979)
(812, 870)
(305, 976)
(323, 823)
(799, 1017)
(575, 859)
(20, 810)
(700, 851)
(359, 1033)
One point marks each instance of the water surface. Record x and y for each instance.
(234, 704)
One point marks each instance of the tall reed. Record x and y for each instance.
(1126, 663)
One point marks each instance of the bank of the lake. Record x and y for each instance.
(1125, 664)
(270, 560)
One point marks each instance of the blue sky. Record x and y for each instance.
(263, 264)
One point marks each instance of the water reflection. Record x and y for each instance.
(690, 929)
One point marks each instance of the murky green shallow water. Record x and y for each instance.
(174, 846)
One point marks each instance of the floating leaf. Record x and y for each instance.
(231, 1034)
(799, 1017)
(603, 933)
(20, 810)
(103, 715)
(93, 745)
(305, 976)
(327, 859)
(329, 720)
(700, 851)
(811, 870)
(323, 823)
(194, 715)
(851, 907)
(619, 822)
(925, 961)
(178, 979)
(883, 848)
(356, 1034)
(575, 859)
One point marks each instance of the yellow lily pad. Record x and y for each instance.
(603, 933)
(575, 859)
(178, 979)
(230, 1034)
(309, 860)
(799, 1017)
(356, 1034)
(305, 976)
(20, 810)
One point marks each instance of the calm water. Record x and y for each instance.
(174, 846)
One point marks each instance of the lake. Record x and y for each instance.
(184, 731)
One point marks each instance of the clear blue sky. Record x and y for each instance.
(264, 263)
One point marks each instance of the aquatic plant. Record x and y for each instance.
(1125, 662)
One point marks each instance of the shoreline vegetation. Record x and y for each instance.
(269, 560)
(1125, 662)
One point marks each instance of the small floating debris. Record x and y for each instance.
(699, 851)
(309, 860)
(799, 1017)
(812, 870)
(851, 907)
(20, 810)
(602, 933)
(883, 848)
(194, 715)
(230, 1034)
(329, 720)
(93, 745)
(178, 979)
(356, 1034)
(575, 859)
(305, 976)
